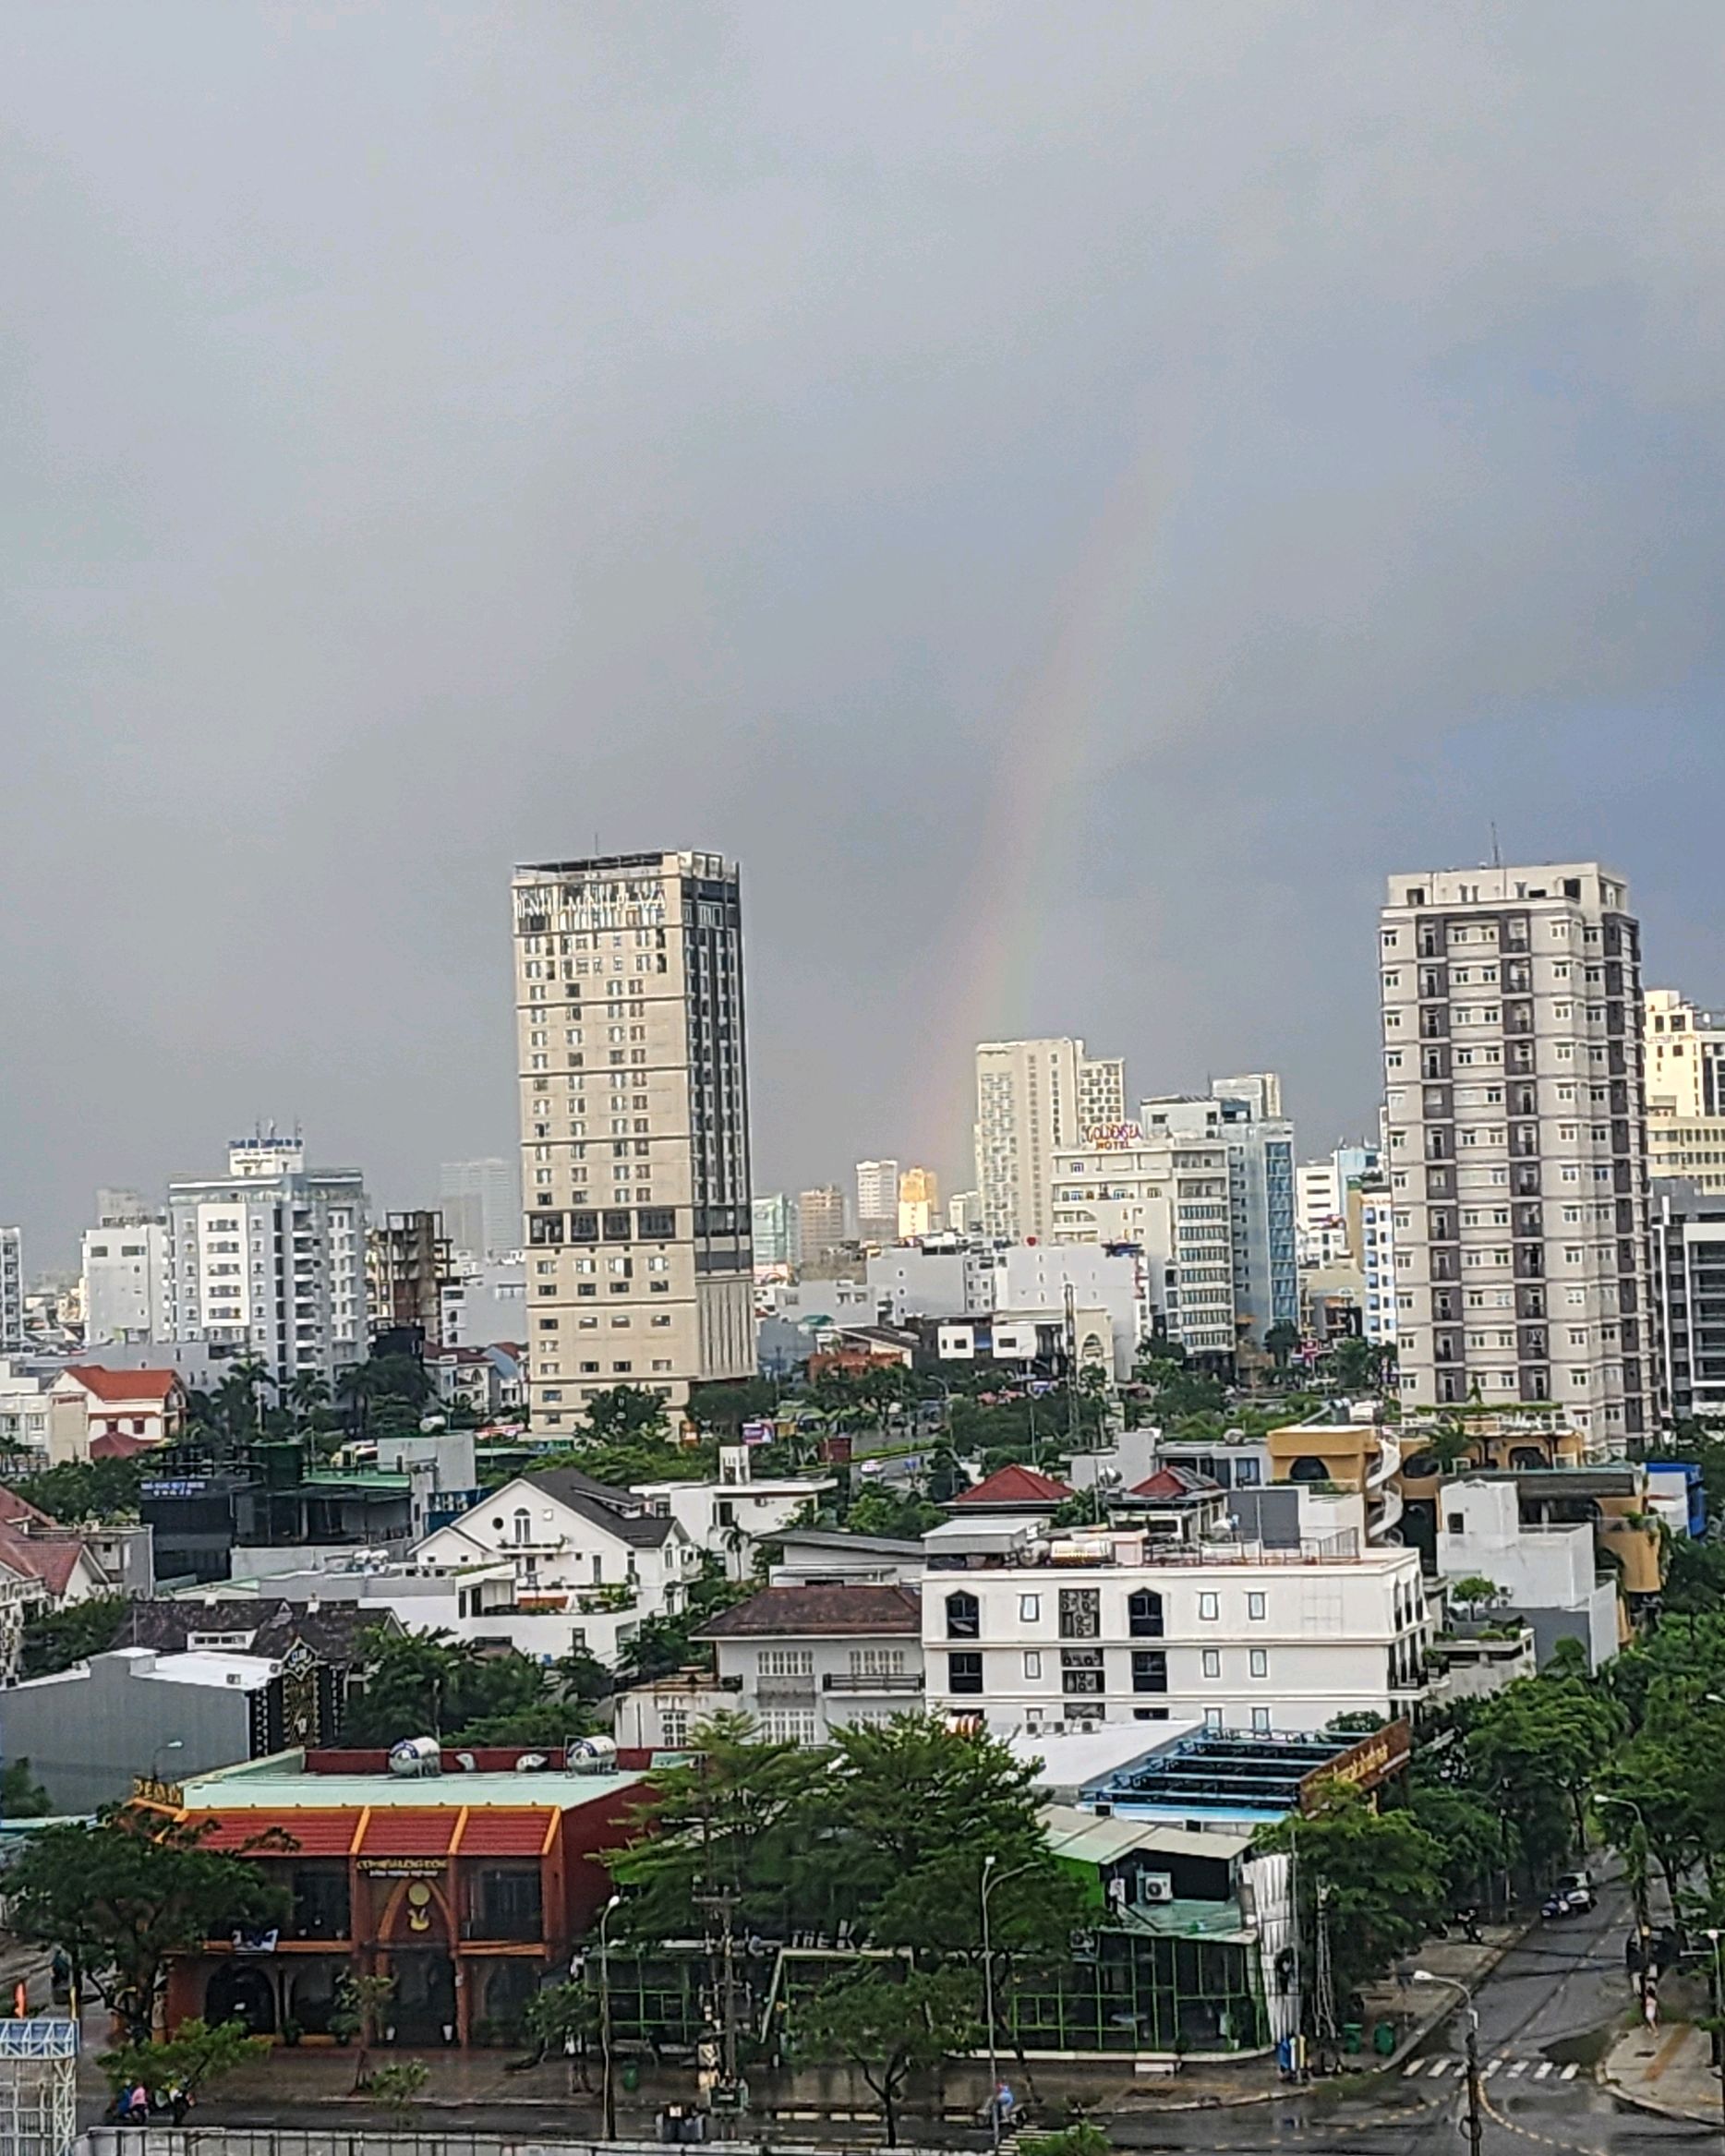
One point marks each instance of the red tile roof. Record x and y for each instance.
(118, 1445)
(1016, 1486)
(819, 1612)
(118, 1386)
(396, 1831)
(317, 1834)
(1168, 1482)
(491, 1831)
(50, 1559)
(14, 1510)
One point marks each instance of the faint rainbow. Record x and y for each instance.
(1042, 776)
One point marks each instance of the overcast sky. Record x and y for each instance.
(1071, 496)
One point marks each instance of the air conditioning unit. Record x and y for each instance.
(1157, 1886)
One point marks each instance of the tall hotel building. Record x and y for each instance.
(1517, 1142)
(634, 1127)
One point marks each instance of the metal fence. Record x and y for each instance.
(379, 2141)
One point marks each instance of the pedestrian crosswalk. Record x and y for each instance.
(1435, 2069)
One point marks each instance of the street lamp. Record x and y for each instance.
(990, 1879)
(1643, 1928)
(606, 2082)
(169, 1744)
(1713, 1936)
(1475, 2128)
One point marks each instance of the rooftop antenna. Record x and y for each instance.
(1497, 857)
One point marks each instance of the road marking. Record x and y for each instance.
(1442, 2066)
(1519, 2067)
(1570, 2071)
(1418, 2066)
(1491, 2070)
(1542, 2070)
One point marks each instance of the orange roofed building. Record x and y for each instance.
(467, 1886)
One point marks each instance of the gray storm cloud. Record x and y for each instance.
(431, 437)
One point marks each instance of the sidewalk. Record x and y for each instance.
(1667, 2070)
(485, 2081)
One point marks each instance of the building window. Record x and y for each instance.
(1081, 1670)
(1143, 1615)
(1150, 1669)
(1032, 1665)
(964, 1620)
(1259, 1662)
(1081, 1613)
(964, 1673)
(1209, 1609)
(1212, 1661)
(1030, 1608)
(786, 1661)
(1255, 1608)
(1212, 1717)
(1261, 1721)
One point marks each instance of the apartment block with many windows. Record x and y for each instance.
(1512, 1007)
(634, 1123)
(1032, 1098)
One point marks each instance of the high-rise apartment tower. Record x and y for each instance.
(877, 1200)
(1033, 1097)
(1517, 1141)
(634, 1126)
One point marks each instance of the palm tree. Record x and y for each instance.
(357, 1388)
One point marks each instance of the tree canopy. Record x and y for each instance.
(125, 1895)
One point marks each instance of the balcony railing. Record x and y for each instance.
(802, 1687)
(873, 1681)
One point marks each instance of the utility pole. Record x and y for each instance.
(1476, 2125)
(728, 2095)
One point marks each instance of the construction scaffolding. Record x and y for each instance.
(38, 2087)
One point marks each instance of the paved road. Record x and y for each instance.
(1541, 2017)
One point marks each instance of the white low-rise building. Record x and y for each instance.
(89, 1402)
(802, 1662)
(1546, 1573)
(729, 1517)
(1165, 1612)
(24, 1409)
(590, 1560)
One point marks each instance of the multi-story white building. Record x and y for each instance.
(820, 1222)
(1377, 1259)
(1244, 1117)
(877, 1200)
(1517, 1141)
(634, 1126)
(11, 1290)
(269, 1259)
(1168, 1616)
(126, 1268)
(919, 1204)
(480, 1201)
(1168, 1199)
(1034, 1098)
(1683, 1052)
